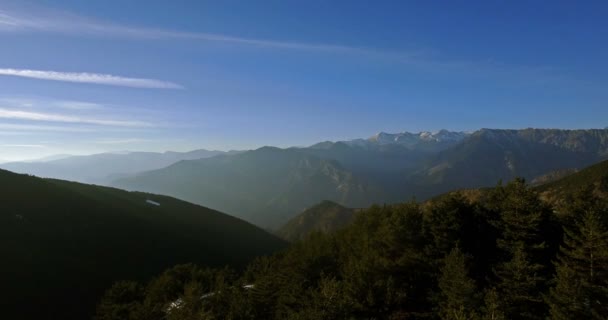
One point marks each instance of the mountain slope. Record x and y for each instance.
(264, 186)
(64, 242)
(552, 176)
(325, 217)
(488, 156)
(104, 167)
(385, 159)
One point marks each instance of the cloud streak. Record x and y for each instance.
(95, 78)
(28, 128)
(44, 20)
(78, 105)
(121, 141)
(52, 21)
(37, 116)
(22, 146)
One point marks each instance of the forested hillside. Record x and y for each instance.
(325, 217)
(64, 242)
(505, 255)
(594, 178)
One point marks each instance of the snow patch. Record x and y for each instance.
(154, 203)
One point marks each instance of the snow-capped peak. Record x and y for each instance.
(412, 138)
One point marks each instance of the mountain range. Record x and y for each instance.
(490, 155)
(268, 186)
(385, 168)
(264, 186)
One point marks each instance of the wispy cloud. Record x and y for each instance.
(37, 116)
(96, 78)
(54, 21)
(78, 105)
(19, 102)
(44, 20)
(22, 146)
(29, 128)
(121, 141)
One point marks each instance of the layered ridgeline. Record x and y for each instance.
(104, 167)
(268, 186)
(63, 242)
(265, 186)
(325, 217)
(386, 158)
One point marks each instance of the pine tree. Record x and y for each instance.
(519, 282)
(492, 309)
(521, 215)
(445, 224)
(581, 281)
(520, 279)
(457, 297)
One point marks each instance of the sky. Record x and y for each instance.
(80, 77)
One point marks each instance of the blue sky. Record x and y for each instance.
(93, 76)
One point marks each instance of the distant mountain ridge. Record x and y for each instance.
(48, 158)
(405, 139)
(490, 155)
(102, 168)
(264, 186)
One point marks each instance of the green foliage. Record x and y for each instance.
(448, 222)
(492, 308)
(520, 286)
(325, 217)
(581, 281)
(520, 277)
(521, 215)
(457, 292)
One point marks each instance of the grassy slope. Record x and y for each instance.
(595, 175)
(62, 243)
